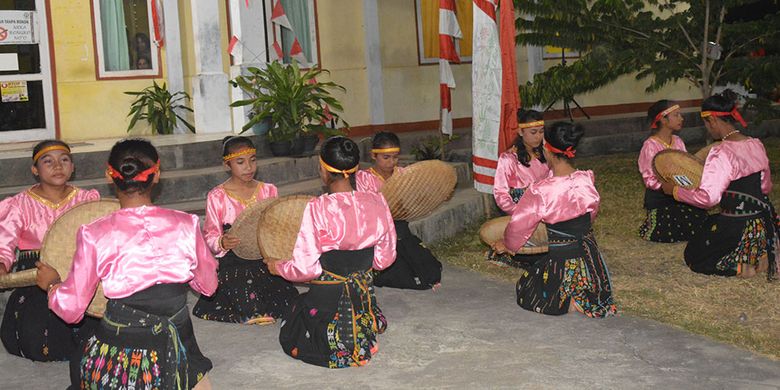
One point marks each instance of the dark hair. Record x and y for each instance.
(233, 143)
(526, 116)
(385, 139)
(45, 144)
(130, 157)
(564, 135)
(656, 109)
(340, 153)
(723, 102)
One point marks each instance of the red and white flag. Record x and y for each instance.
(158, 22)
(276, 52)
(486, 82)
(296, 52)
(278, 15)
(233, 45)
(449, 30)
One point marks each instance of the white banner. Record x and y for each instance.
(18, 27)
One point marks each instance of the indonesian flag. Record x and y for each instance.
(510, 97)
(448, 31)
(278, 15)
(296, 52)
(276, 52)
(232, 45)
(158, 22)
(486, 94)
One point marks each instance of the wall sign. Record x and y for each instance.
(18, 27)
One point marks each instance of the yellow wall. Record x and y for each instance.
(88, 108)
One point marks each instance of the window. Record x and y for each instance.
(302, 18)
(123, 39)
(428, 30)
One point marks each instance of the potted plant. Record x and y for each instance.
(298, 104)
(159, 107)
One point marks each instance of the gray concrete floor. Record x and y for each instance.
(470, 334)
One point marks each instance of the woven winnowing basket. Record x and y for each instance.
(279, 225)
(245, 228)
(59, 243)
(24, 278)
(703, 152)
(678, 167)
(419, 189)
(493, 230)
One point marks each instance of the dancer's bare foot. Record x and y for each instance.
(763, 264)
(572, 306)
(436, 287)
(746, 271)
(261, 320)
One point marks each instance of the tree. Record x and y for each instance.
(704, 42)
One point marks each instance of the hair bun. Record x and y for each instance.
(348, 146)
(130, 167)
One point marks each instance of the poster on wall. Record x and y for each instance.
(552, 52)
(13, 91)
(18, 27)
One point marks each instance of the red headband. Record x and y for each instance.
(662, 114)
(142, 176)
(733, 113)
(569, 152)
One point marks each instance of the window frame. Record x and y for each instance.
(422, 60)
(97, 42)
(314, 32)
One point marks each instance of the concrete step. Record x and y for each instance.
(464, 208)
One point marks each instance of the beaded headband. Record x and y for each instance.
(662, 114)
(733, 113)
(531, 124)
(569, 152)
(141, 176)
(242, 152)
(386, 150)
(49, 149)
(345, 172)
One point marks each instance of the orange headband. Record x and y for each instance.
(49, 149)
(345, 172)
(733, 113)
(662, 114)
(569, 152)
(240, 153)
(386, 150)
(142, 176)
(531, 124)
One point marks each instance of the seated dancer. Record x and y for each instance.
(29, 328)
(247, 293)
(344, 234)
(573, 274)
(741, 240)
(518, 168)
(667, 220)
(415, 266)
(144, 256)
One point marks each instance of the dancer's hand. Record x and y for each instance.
(229, 241)
(3, 271)
(272, 266)
(46, 276)
(500, 248)
(668, 188)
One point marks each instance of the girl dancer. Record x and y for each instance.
(247, 293)
(145, 256)
(573, 274)
(742, 239)
(415, 266)
(667, 220)
(29, 328)
(343, 236)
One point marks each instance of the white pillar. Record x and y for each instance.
(248, 24)
(173, 53)
(535, 66)
(210, 96)
(374, 62)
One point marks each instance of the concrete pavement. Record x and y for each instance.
(469, 334)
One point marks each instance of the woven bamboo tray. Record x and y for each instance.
(245, 228)
(703, 152)
(59, 243)
(278, 227)
(493, 230)
(419, 189)
(679, 168)
(24, 278)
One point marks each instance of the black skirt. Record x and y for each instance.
(573, 269)
(31, 330)
(246, 291)
(415, 267)
(336, 322)
(744, 230)
(668, 220)
(144, 341)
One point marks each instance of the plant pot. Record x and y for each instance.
(280, 148)
(310, 142)
(297, 146)
(262, 127)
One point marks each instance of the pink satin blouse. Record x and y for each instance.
(25, 218)
(650, 148)
(552, 200)
(343, 221)
(511, 174)
(222, 208)
(133, 249)
(367, 180)
(726, 162)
